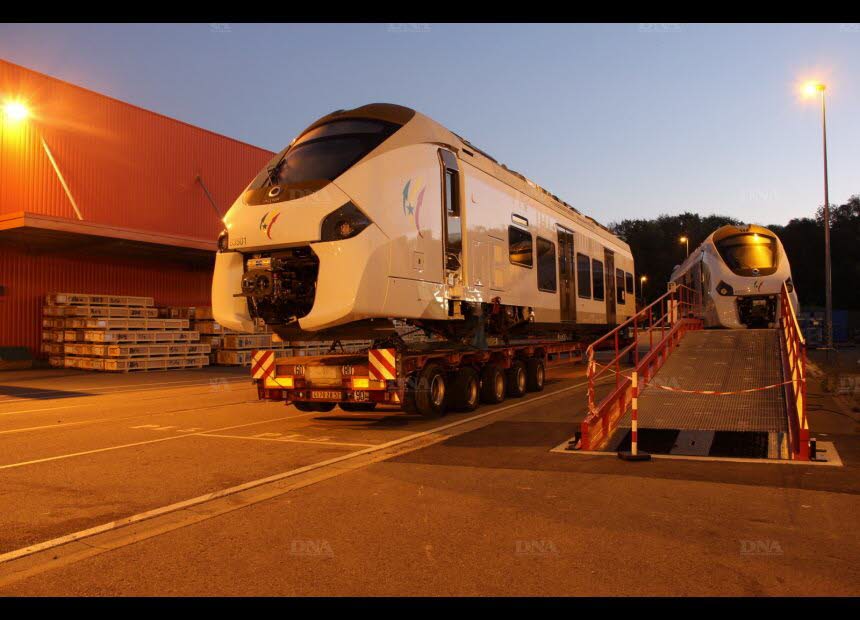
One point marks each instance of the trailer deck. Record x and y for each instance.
(424, 378)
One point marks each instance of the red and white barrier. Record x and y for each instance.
(634, 415)
(634, 454)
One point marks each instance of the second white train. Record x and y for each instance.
(739, 272)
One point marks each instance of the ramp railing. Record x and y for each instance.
(794, 372)
(664, 321)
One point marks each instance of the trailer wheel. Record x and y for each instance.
(492, 384)
(535, 374)
(517, 379)
(427, 394)
(465, 390)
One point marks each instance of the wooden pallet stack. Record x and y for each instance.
(236, 349)
(229, 347)
(117, 333)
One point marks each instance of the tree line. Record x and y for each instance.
(657, 250)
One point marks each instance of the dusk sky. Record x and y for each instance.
(621, 121)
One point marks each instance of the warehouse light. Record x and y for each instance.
(15, 111)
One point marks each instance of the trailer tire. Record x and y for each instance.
(492, 384)
(427, 393)
(465, 390)
(516, 379)
(535, 374)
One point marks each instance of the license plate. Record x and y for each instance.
(325, 395)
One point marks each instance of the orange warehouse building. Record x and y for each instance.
(100, 196)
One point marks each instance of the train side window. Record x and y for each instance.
(546, 277)
(452, 208)
(520, 247)
(583, 276)
(619, 286)
(597, 279)
(451, 198)
(628, 282)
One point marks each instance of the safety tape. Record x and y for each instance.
(706, 392)
(717, 393)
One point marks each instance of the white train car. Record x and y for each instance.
(381, 213)
(739, 272)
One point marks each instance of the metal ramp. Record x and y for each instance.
(682, 390)
(753, 424)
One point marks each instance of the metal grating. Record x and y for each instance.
(722, 360)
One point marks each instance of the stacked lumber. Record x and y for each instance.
(117, 333)
(233, 348)
(236, 349)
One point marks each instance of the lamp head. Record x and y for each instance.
(812, 88)
(15, 110)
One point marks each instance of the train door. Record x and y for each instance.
(567, 269)
(609, 278)
(452, 223)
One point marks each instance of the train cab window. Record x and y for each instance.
(628, 282)
(546, 266)
(597, 279)
(749, 254)
(619, 286)
(325, 152)
(520, 247)
(583, 276)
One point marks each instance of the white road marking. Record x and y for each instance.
(149, 514)
(90, 403)
(131, 417)
(178, 384)
(319, 442)
(141, 443)
(834, 459)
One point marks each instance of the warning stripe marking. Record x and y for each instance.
(382, 364)
(262, 364)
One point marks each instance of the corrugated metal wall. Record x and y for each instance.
(125, 166)
(27, 277)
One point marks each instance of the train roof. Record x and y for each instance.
(425, 129)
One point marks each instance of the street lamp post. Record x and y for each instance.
(810, 89)
(686, 241)
(642, 281)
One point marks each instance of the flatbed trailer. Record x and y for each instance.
(424, 378)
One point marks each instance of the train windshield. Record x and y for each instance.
(326, 152)
(749, 254)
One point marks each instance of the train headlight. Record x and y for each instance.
(789, 285)
(223, 241)
(725, 289)
(344, 223)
